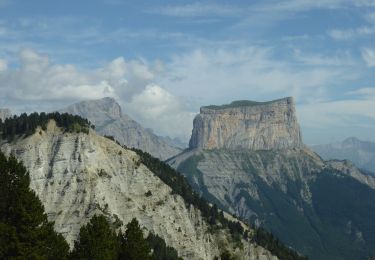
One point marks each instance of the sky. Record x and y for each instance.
(162, 60)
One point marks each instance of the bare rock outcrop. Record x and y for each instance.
(249, 125)
(79, 175)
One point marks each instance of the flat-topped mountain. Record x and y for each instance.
(249, 159)
(108, 118)
(247, 124)
(4, 113)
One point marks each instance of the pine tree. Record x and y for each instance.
(133, 245)
(96, 241)
(24, 228)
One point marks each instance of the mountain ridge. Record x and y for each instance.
(77, 175)
(107, 116)
(361, 153)
(279, 189)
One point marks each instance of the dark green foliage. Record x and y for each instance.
(24, 229)
(27, 124)
(96, 240)
(160, 250)
(226, 256)
(180, 186)
(338, 224)
(346, 216)
(110, 137)
(240, 103)
(268, 241)
(133, 245)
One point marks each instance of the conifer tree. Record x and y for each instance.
(25, 232)
(96, 240)
(133, 245)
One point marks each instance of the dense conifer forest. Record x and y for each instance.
(27, 124)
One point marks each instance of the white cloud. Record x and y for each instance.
(364, 93)
(199, 9)
(248, 73)
(156, 107)
(37, 79)
(3, 65)
(350, 34)
(335, 113)
(327, 122)
(155, 94)
(368, 56)
(337, 59)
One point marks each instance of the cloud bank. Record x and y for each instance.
(166, 96)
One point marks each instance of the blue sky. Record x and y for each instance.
(162, 60)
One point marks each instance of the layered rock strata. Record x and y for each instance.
(79, 175)
(247, 124)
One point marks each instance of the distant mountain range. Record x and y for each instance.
(361, 153)
(108, 118)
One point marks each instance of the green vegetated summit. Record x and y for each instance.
(252, 162)
(245, 103)
(79, 174)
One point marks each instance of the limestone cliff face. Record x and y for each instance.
(249, 125)
(108, 119)
(79, 175)
(4, 113)
(249, 159)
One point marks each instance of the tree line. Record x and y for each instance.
(212, 214)
(26, 125)
(26, 233)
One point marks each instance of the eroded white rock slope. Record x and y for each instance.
(79, 175)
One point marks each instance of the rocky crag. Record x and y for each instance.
(5, 113)
(248, 125)
(249, 159)
(108, 118)
(77, 175)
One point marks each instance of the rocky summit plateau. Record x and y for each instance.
(249, 125)
(249, 159)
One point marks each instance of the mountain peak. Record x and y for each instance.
(101, 110)
(247, 125)
(351, 140)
